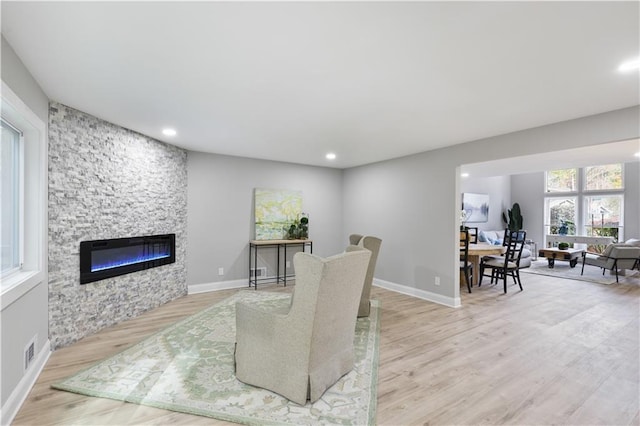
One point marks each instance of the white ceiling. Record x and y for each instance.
(291, 81)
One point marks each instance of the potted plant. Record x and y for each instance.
(514, 222)
(563, 246)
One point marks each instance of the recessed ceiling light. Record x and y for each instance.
(168, 132)
(637, 154)
(330, 156)
(630, 65)
(464, 174)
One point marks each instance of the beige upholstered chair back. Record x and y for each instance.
(373, 245)
(354, 239)
(626, 257)
(305, 350)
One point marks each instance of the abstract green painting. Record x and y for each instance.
(275, 210)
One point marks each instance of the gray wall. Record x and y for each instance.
(109, 182)
(413, 203)
(221, 219)
(16, 75)
(27, 316)
(527, 189)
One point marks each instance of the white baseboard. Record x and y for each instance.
(220, 285)
(452, 302)
(20, 393)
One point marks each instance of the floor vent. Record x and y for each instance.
(259, 272)
(29, 353)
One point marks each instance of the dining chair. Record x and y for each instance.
(473, 234)
(465, 266)
(509, 264)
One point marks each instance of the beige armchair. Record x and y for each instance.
(302, 351)
(373, 245)
(615, 257)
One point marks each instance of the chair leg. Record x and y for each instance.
(467, 278)
(504, 280)
(480, 275)
(519, 282)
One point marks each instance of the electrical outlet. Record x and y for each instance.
(220, 271)
(288, 264)
(437, 281)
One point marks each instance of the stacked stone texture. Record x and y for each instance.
(109, 182)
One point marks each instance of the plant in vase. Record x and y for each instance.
(463, 219)
(513, 218)
(565, 227)
(304, 227)
(299, 228)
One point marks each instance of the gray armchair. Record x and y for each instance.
(615, 257)
(373, 245)
(302, 351)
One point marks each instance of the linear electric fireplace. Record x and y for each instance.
(101, 259)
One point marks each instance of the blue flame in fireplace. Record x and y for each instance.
(130, 255)
(126, 262)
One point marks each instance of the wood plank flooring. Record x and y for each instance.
(560, 352)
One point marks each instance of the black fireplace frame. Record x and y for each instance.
(89, 247)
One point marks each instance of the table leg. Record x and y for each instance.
(255, 266)
(285, 265)
(551, 261)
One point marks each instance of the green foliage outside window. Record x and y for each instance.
(605, 177)
(565, 180)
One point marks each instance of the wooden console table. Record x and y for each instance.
(254, 245)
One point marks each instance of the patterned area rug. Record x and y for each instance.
(592, 274)
(188, 367)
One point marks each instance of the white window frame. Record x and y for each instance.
(583, 174)
(617, 193)
(546, 182)
(7, 274)
(34, 202)
(560, 196)
(580, 198)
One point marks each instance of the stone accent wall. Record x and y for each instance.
(109, 182)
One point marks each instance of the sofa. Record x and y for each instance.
(497, 238)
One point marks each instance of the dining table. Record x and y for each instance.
(477, 250)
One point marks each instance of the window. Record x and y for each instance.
(562, 180)
(11, 199)
(592, 204)
(603, 215)
(559, 211)
(603, 178)
(23, 194)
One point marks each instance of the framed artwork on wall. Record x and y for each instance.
(275, 210)
(476, 207)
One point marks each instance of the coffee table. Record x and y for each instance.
(553, 253)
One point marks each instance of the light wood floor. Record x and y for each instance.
(561, 352)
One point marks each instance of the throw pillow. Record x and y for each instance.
(633, 242)
(482, 237)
